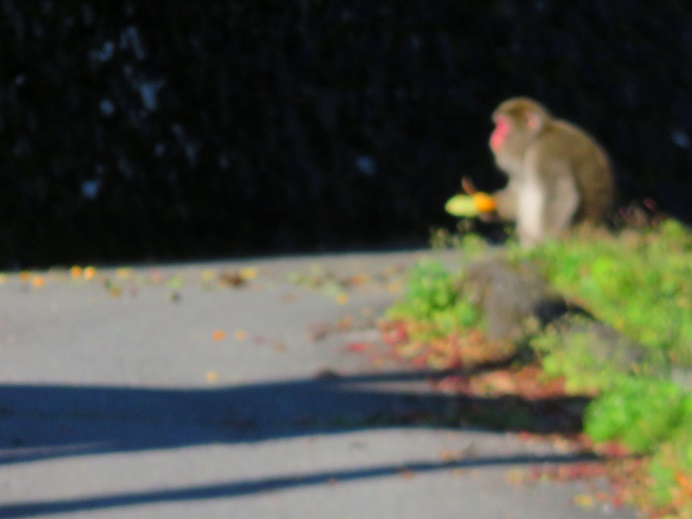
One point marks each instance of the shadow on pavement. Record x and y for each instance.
(243, 488)
(46, 421)
(42, 422)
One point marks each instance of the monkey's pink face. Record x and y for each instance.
(497, 138)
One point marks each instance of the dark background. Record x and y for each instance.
(141, 130)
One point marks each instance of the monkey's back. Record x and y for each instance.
(588, 162)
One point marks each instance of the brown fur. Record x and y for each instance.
(558, 174)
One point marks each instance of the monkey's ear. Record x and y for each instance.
(534, 121)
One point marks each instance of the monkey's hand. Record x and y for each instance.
(490, 217)
(484, 202)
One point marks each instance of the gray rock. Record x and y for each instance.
(516, 300)
(519, 304)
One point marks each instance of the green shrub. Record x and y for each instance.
(432, 297)
(641, 412)
(639, 282)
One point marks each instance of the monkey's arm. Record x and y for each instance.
(506, 201)
(562, 202)
(548, 200)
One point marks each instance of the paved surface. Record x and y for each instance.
(160, 393)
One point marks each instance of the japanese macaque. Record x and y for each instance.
(559, 176)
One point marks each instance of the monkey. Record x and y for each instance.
(559, 176)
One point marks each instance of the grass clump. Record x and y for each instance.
(640, 283)
(433, 300)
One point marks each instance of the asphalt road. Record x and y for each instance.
(166, 391)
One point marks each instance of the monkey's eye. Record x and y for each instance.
(502, 125)
(501, 121)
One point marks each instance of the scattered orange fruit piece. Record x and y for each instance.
(211, 377)
(38, 281)
(24, 276)
(76, 272)
(342, 299)
(207, 275)
(516, 476)
(89, 272)
(395, 287)
(123, 273)
(248, 273)
(406, 473)
(450, 456)
(584, 501)
(240, 335)
(218, 335)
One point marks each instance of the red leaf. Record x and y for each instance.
(358, 347)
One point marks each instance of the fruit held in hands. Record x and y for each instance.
(470, 205)
(462, 206)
